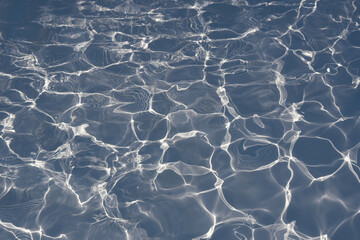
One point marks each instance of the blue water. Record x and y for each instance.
(188, 119)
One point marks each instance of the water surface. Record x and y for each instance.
(189, 119)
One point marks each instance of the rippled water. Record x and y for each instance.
(188, 119)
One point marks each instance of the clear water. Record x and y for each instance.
(155, 119)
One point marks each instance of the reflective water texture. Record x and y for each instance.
(188, 119)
